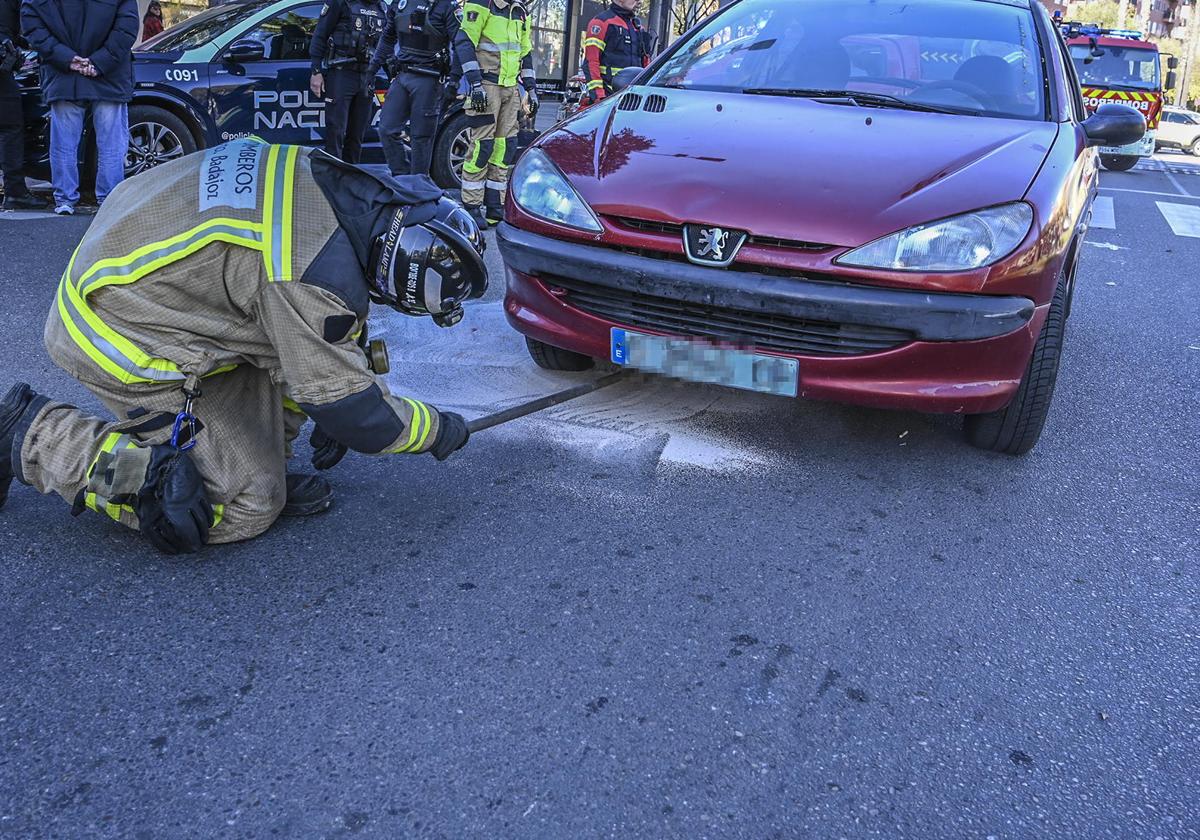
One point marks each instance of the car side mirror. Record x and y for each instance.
(625, 77)
(1172, 79)
(1172, 62)
(246, 50)
(1114, 125)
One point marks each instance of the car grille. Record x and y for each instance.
(675, 229)
(740, 327)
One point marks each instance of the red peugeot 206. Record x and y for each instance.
(872, 201)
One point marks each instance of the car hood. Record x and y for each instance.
(792, 168)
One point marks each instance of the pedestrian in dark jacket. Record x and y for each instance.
(84, 46)
(12, 134)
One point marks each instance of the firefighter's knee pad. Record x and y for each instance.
(172, 506)
(483, 152)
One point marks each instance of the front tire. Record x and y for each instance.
(450, 150)
(1119, 163)
(1015, 428)
(549, 357)
(155, 137)
(1194, 149)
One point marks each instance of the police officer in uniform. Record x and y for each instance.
(414, 51)
(341, 51)
(12, 135)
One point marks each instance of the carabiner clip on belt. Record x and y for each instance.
(185, 428)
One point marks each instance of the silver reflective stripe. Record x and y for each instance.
(279, 190)
(472, 185)
(497, 185)
(157, 254)
(468, 66)
(507, 46)
(108, 350)
(528, 73)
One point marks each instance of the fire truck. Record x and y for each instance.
(1120, 65)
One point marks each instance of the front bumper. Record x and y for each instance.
(958, 353)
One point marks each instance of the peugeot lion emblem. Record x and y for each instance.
(711, 245)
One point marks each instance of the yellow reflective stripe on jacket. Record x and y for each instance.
(595, 85)
(598, 43)
(277, 212)
(418, 429)
(272, 236)
(218, 514)
(109, 350)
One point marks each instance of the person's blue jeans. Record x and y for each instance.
(110, 121)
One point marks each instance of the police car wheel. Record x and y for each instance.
(1194, 149)
(450, 151)
(155, 137)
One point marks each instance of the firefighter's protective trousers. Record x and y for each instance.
(229, 271)
(493, 145)
(494, 47)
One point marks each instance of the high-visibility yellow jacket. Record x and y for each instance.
(498, 35)
(245, 254)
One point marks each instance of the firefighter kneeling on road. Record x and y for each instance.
(615, 40)
(211, 307)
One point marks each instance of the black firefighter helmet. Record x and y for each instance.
(432, 267)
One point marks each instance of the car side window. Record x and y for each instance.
(1074, 92)
(286, 36)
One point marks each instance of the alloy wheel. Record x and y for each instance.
(150, 144)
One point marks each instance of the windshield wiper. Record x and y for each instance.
(854, 97)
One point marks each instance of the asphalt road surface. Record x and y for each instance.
(664, 611)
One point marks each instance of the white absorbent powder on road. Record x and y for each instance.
(481, 366)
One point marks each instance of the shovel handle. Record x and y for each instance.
(548, 401)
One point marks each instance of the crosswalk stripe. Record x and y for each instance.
(1184, 219)
(1104, 216)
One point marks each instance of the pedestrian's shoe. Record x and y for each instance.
(306, 494)
(64, 210)
(495, 206)
(23, 202)
(12, 409)
(476, 211)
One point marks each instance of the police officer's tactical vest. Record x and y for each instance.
(412, 33)
(356, 33)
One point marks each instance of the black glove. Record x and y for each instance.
(478, 98)
(327, 452)
(172, 507)
(531, 92)
(452, 435)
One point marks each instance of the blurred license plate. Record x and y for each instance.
(698, 362)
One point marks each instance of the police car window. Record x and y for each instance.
(980, 58)
(200, 29)
(286, 37)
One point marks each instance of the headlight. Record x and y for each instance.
(959, 243)
(541, 189)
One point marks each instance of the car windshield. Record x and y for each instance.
(944, 55)
(1121, 67)
(201, 29)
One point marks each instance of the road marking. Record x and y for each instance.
(1150, 192)
(1184, 219)
(1107, 246)
(1103, 214)
(1176, 184)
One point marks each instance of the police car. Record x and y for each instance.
(232, 71)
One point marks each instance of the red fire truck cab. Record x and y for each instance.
(1119, 65)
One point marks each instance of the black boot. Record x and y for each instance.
(12, 409)
(476, 211)
(495, 206)
(26, 201)
(306, 495)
